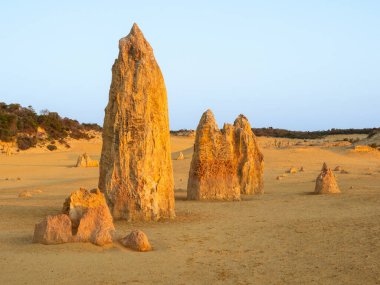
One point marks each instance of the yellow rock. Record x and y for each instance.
(180, 156)
(136, 171)
(326, 182)
(84, 160)
(225, 162)
(90, 216)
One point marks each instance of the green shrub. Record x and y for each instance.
(51, 147)
(26, 142)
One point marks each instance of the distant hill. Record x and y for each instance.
(282, 133)
(24, 126)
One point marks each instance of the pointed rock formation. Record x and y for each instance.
(326, 182)
(250, 158)
(225, 162)
(84, 160)
(180, 156)
(135, 166)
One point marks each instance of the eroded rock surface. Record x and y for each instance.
(326, 182)
(225, 162)
(96, 226)
(136, 240)
(90, 217)
(135, 167)
(53, 230)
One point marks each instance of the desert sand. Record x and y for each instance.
(285, 236)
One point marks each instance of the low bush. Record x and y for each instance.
(51, 147)
(26, 142)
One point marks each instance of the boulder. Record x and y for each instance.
(225, 162)
(136, 172)
(53, 230)
(326, 182)
(136, 240)
(84, 160)
(90, 217)
(96, 226)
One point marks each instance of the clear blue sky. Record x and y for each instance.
(303, 65)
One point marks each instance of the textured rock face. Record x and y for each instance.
(53, 230)
(90, 217)
(135, 166)
(96, 226)
(225, 162)
(84, 160)
(250, 159)
(136, 240)
(326, 182)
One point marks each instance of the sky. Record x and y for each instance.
(294, 64)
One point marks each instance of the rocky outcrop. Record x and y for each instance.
(90, 217)
(135, 166)
(326, 182)
(136, 240)
(225, 162)
(53, 230)
(84, 160)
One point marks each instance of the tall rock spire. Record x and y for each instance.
(135, 166)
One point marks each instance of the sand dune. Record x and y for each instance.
(286, 236)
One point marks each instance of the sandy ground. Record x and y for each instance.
(286, 236)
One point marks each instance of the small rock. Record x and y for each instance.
(25, 194)
(84, 160)
(292, 170)
(181, 156)
(338, 168)
(344, 171)
(279, 177)
(53, 230)
(136, 240)
(36, 191)
(302, 169)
